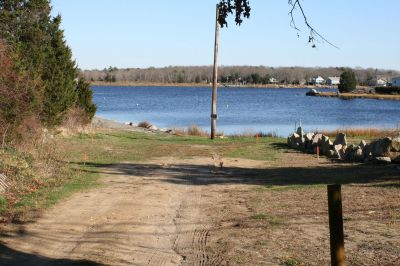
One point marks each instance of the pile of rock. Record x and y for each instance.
(385, 150)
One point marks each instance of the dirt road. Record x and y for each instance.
(192, 212)
(141, 216)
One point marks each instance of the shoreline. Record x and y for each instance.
(350, 96)
(352, 131)
(204, 85)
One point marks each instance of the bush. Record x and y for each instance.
(144, 124)
(84, 99)
(75, 122)
(19, 97)
(195, 130)
(388, 90)
(348, 81)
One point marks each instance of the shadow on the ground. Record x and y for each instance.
(277, 176)
(10, 257)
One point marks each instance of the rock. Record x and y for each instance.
(326, 145)
(358, 154)
(152, 127)
(337, 147)
(396, 159)
(308, 139)
(309, 136)
(312, 92)
(293, 140)
(300, 140)
(395, 147)
(340, 139)
(395, 156)
(362, 144)
(348, 155)
(339, 151)
(379, 148)
(382, 160)
(333, 154)
(300, 131)
(316, 139)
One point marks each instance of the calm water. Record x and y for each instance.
(242, 109)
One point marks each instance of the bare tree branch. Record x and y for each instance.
(242, 10)
(313, 35)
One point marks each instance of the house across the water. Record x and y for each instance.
(378, 82)
(331, 81)
(396, 81)
(318, 80)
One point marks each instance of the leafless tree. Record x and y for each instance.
(242, 10)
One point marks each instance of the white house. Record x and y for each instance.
(273, 81)
(318, 80)
(396, 81)
(331, 81)
(378, 82)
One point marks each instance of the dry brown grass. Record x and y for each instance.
(144, 124)
(193, 130)
(252, 134)
(348, 96)
(361, 132)
(75, 122)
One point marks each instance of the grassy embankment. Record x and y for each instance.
(66, 164)
(38, 182)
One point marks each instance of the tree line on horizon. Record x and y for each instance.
(39, 81)
(230, 74)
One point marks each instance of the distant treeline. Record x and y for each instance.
(230, 74)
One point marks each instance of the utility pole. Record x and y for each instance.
(215, 79)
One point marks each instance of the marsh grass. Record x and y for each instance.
(252, 134)
(195, 130)
(349, 96)
(368, 133)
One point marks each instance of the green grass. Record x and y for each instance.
(292, 262)
(256, 149)
(3, 204)
(272, 220)
(115, 146)
(262, 243)
(50, 195)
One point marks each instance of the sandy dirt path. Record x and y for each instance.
(141, 216)
(191, 212)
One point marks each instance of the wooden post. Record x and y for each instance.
(336, 224)
(215, 79)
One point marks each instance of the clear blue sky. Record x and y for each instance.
(133, 33)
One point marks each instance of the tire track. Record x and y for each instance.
(193, 232)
